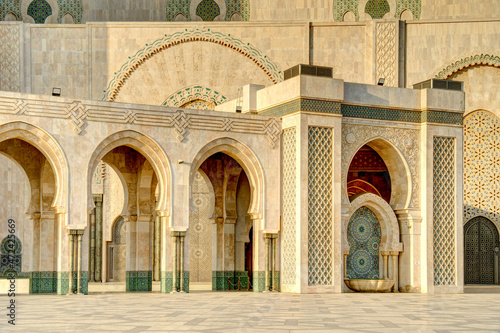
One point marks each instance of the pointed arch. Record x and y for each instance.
(247, 160)
(399, 171)
(52, 151)
(151, 150)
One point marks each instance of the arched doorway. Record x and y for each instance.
(228, 192)
(481, 251)
(143, 173)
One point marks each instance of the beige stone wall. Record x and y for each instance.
(481, 86)
(445, 9)
(341, 47)
(59, 59)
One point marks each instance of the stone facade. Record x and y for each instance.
(145, 174)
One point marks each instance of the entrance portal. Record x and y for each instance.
(481, 251)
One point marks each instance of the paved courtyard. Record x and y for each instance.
(250, 312)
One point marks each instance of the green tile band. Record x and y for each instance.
(166, 282)
(139, 280)
(357, 111)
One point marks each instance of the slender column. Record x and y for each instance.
(98, 238)
(181, 260)
(495, 265)
(79, 264)
(157, 232)
(92, 246)
(385, 255)
(395, 270)
(273, 264)
(267, 264)
(346, 253)
(71, 261)
(174, 270)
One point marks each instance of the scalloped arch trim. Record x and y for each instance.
(186, 36)
(474, 60)
(188, 94)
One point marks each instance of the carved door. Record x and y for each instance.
(481, 260)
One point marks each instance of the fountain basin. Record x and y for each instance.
(369, 286)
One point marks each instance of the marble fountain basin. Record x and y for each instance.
(369, 286)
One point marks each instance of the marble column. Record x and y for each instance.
(273, 261)
(385, 255)
(395, 270)
(98, 238)
(92, 247)
(266, 283)
(79, 263)
(181, 260)
(71, 260)
(174, 269)
(156, 262)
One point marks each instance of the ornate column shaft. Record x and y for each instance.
(79, 264)
(92, 247)
(156, 263)
(181, 261)
(98, 238)
(174, 268)
(267, 263)
(71, 261)
(395, 270)
(273, 263)
(385, 255)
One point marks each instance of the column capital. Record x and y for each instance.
(270, 235)
(178, 234)
(76, 231)
(97, 197)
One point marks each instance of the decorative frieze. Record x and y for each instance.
(181, 121)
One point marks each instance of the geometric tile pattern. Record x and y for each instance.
(39, 10)
(10, 6)
(175, 7)
(10, 49)
(386, 51)
(139, 280)
(363, 235)
(303, 104)
(320, 206)
(356, 111)
(377, 8)
(414, 6)
(482, 166)
(56, 282)
(186, 36)
(289, 206)
(166, 284)
(342, 6)
(444, 211)
(73, 7)
(10, 256)
(208, 9)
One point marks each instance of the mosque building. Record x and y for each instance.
(299, 146)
